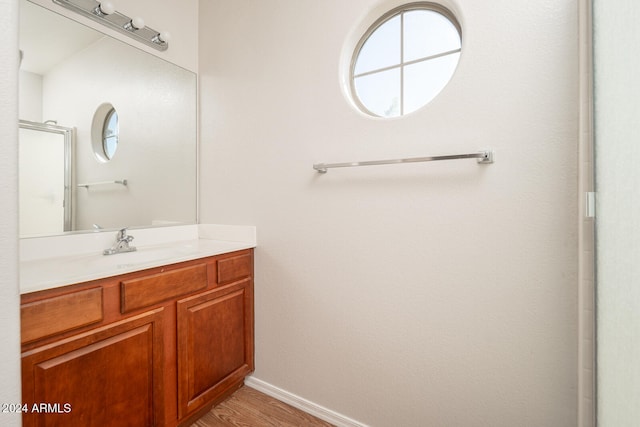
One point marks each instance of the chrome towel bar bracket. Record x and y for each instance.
(483, 157)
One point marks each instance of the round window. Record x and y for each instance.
(405, 59)
(105, 132)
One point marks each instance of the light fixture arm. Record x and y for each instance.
(105, 13)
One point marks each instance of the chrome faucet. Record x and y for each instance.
(121, 244)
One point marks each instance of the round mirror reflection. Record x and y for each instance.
(105, 132)
(110, 134)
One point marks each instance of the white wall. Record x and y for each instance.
(31, 96)
(9, 293)
(617, 124)
(413, 295)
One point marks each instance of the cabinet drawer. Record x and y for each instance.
(234, 268)
(149, 290)
(54, 315)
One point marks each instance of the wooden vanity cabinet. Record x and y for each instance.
(157, 347)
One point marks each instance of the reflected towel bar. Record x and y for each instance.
(484, 157)
(92, 184)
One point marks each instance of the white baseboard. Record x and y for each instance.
(316, 410)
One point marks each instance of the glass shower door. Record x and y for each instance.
(45, 168)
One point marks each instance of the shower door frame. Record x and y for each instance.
(68, 135)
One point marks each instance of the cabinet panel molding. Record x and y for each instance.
(215, 343)
(110, 376)
(62, 313)
(149, 290)
(235, 268)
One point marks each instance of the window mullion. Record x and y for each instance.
(415, 61)
(379, 70)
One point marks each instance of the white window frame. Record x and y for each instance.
(400, 10)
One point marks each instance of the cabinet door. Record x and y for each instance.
(110, 376)
(215, 344)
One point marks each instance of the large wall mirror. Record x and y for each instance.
(68, 73)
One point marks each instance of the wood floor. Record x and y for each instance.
(248, 407)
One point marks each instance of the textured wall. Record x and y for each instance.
(31, 96)
(617, 124)
(9, 294)
(426, 294)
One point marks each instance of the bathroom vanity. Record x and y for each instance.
(151, 337)
(153, 346)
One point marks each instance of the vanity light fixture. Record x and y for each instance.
(134, 25)
(104, 8)
(105, 13)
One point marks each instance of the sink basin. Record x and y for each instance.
(140, 257)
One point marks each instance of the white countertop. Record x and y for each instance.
(78, 258)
